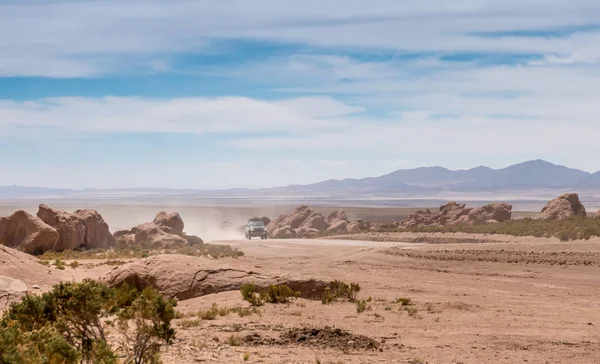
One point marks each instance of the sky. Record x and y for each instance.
(214, 94)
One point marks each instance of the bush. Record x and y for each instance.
(361, 306)
(151, 316)
(250, 294)
(273, 294)
(279, 294)
(65, 325)
(337, 289)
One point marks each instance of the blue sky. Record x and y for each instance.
(220, 94)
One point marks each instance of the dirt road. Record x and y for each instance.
(462, 311)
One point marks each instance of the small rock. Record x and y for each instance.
(35, 286)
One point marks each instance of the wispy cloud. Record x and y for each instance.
(76, 38)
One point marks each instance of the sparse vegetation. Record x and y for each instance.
(362, 306)
(128, 252)
(250, 294)
(210, 313)
(403, 301)
(280, 294)
(234, 340)
(273, 294)
(59, 264)
(340, 290)
(246, 356)
(66, 325)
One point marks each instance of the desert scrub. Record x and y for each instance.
(280, 294)
(67, 324)
(362, 306)
(403, 301)
(250, 294)
(137, 251)
(273, 294)
(340, 290)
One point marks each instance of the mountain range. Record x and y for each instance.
(531, 175)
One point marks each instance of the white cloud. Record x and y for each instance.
(183, 115)
(75, 38)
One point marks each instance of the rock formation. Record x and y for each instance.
(97, 233)
(20, 273)
(303, 222)
(453, 213)
(169, 223)
(563, 207)
(28, 233)
(184, 277)
(165, 231)
(70, 227)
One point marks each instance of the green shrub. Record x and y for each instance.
(65, 324)
(362, 306)
(151, 315)
(403, 301)
(340, 290)
(279, 294)
(250, 294)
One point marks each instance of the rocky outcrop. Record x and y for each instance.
(454, 213)
(493, 213)
(21, 273)
(170, 223)
(184, 277)
(303, 222)
(336, 216)
(563, 207)
(97, 233)
(285, 232)
(166, 231)
(28, 233)
(11, 290)
(70, 227)
(337, 227)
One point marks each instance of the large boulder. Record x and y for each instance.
(170, 223)
(20, 272)
(498, 212)
(27, 233)
(337, 215)
(97, 234)
(285, 232)
(70, 227)
(11, 290)
(563, 207)
(296, 217)
(184, 277)
(149, 235)
(338, 227)
(315, 221)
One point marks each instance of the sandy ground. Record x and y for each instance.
(507, 302)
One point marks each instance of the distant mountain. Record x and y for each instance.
(424, 181)
(591, 181)
(532, 174)
(30, 191)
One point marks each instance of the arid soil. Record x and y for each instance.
(503, 300)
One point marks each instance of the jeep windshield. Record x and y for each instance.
(256, 224)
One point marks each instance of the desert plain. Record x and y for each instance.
(429, 297)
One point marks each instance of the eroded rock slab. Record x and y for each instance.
(185, 277)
